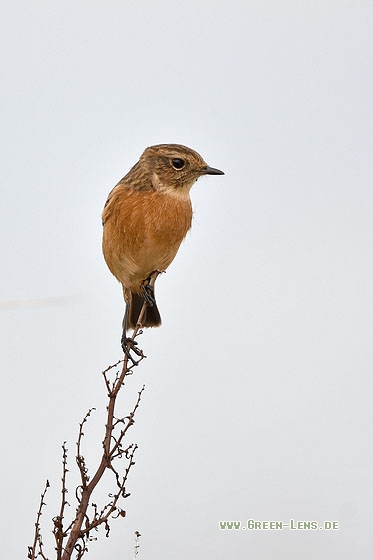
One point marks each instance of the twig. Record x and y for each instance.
(79, 456)
(58, 531)
(37, 547)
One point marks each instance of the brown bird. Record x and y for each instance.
(146, 217)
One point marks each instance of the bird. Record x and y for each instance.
(145, 218)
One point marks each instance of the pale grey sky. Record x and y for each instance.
(258, 384)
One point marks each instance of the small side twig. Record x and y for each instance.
(59, 533)
(80, 460)
(36, 549)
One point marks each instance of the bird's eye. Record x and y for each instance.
(177, 163)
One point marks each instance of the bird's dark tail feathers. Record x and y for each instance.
(152, 316)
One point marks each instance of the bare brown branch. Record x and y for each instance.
(74, 538)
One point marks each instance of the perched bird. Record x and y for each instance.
(145, 218)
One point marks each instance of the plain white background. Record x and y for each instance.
(258, 385)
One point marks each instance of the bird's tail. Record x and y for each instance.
(152, 317)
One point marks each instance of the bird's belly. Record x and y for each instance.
(148, 238)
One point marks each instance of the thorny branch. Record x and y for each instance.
(76, 536)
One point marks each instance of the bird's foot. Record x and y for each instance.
(128, 345)
(147, 288)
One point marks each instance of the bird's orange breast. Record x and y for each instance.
(142, 232)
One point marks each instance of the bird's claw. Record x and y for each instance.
(129, 344)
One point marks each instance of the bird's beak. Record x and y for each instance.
(211, 171)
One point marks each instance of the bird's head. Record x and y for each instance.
(174, 168)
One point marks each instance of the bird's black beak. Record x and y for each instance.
(212, 171)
